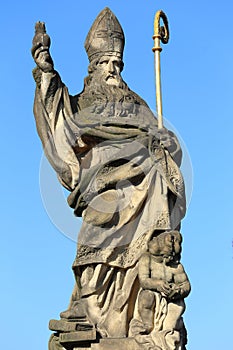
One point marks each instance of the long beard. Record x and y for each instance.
(97, 86)
(97, 93)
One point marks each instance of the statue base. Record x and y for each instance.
(117, 344)
(71, 334)
(82, 341)
(76, 335)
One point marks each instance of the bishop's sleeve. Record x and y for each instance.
(53, 113)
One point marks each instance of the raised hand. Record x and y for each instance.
(40, 48)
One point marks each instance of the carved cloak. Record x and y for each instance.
(123, 183)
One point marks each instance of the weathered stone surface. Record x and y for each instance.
(76, 337)
(116, 344)
(125, 182)
(68, 326)
(54, 343)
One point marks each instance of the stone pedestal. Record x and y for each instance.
(82, 341)
(116, 344)
(71, 335)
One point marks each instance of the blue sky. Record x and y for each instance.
(197, 75)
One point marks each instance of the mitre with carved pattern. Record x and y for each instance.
(106, 36)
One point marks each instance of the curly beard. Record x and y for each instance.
(97, 92)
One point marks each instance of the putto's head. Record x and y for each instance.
(166, 245)
(104, 46)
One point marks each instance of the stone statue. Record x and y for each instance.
(124, 181)
(164, 285)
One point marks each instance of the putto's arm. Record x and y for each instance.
(181, 287)
(146, 281)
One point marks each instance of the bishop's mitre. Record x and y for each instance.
(106, 36)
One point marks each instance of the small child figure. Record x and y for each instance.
(164, 284)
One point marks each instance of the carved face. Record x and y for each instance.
(109, 69)
(166, 245)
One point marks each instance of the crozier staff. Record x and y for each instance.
(160, 33)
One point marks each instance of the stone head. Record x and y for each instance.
(104, 46)
(166, 245)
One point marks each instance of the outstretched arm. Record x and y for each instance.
(53, 112)
(47, 79)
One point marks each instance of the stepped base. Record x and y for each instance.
(116, 344)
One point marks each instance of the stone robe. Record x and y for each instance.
(123, 183)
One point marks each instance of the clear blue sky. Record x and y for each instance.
(197, 75)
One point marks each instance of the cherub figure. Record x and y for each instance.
(164, 284)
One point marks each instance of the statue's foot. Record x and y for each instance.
(76, 311)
